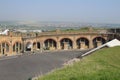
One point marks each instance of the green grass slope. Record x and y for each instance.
(104, 64)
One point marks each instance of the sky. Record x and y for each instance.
(92, 11)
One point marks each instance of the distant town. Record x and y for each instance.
(47, 26)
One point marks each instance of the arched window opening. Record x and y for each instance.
(98, 41)
(38, 45)
(50, 44)
(66, 44)
(82, 43)
(28, 46)
(17, 47)
(4, 48)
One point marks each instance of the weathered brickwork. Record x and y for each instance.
(15, 42)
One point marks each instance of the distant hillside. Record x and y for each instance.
(101, 65)
(45, 25)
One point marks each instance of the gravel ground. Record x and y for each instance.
(30, 65)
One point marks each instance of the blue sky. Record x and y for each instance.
(93, 11)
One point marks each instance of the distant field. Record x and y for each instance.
(101, 65)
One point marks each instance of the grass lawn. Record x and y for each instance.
(104, 64)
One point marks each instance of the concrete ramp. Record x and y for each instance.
(112, 43)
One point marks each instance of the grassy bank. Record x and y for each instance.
(101, 65)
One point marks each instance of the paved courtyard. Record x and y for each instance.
(26, 66)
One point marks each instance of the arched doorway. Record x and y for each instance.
(4, 48)
(17, 47)
(98, 41)
(28, 46)
(38, 45)
(66, 44)
(82, 43)
(50, 44)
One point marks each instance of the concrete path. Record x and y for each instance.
(26, 66)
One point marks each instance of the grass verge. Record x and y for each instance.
(104, 64)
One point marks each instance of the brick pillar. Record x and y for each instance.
(18, 47)
(91, 44)
(58, 45)
(10, 49)
(74, 44)
(42, 46)
(24, 46)
(32, 47)
(0, 49)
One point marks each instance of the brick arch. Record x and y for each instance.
(97, 41)
(82, 37)
(5, 42)
(17, 47)
(29, 41)
(6, 49)
(82, 43)
(16, 42)
(97, 37)
(50, 39)
(50, 44)
(34, 42)
(66, 38)
(26, 45)
(66, 43)
(38, 44)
